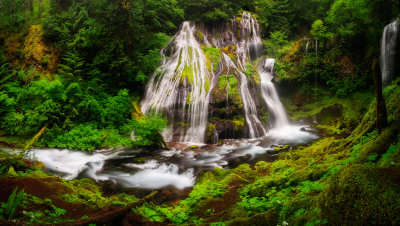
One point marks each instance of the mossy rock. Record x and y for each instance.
(380, 144)
(39, 54)
(362, 195)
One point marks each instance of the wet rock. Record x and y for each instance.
(275, 149)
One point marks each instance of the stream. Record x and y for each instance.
(175, 169)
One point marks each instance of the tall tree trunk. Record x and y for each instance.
(381, 113)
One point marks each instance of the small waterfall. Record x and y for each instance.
(270, 95)
(388, 52)
(180, 87)
(249, 47)
(256, 128)
(307, 45)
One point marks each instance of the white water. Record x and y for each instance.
(308, 43)
(183, 75)
(175, 167)
(388, 52)
(270, 95)
(69, 163)
(161, 176)
(151, 175)
(256, 128)
(250, 43)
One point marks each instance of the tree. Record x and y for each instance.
(278, 39)
(381, 112)
(318, 30)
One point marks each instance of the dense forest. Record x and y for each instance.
(84, 76)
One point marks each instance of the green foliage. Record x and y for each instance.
(9, 209)
(12, 14)
(349, 17)
(318, 30)
(275, 16)
(361, 187)
(146, 132)
(210, 11)
(392, 156)
(72, 67)
(228, 84)
(277, 39)
(213, 57)
(5, 72)
(84, 136)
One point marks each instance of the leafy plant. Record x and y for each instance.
(10, 208)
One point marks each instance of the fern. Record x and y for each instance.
(13, 202)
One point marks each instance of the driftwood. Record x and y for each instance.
(33, 140)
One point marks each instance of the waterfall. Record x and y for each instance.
(388, 52)
(180, 87)
(256, 128)
(270, 95)
(308, 43)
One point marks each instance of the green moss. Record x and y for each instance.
(199, 35)
(238, 122)
(278, 149)
(233, 92)
(212, 57)
(188, 100)
(210, 129)
(264, 115)
(392, 156)
(252, 73)
(361, 195)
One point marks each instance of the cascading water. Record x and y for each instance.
(182, 84)
(270, 95)
(307, 45)
(388, 52)
(181, 87)
(256, 128)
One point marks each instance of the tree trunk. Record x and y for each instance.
(381, 113)
(34, 139)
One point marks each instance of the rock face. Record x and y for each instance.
(31, 51)
(208, 85)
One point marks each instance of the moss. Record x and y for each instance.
(38, 53)
(361, 195)
(233, 91)
(210, 129)
(284, 148)
(212, 56)
(252, 73)
(199, 35)
(238, 122)
(266, 218)
(379, 145)
(188, 100)
(264, 115)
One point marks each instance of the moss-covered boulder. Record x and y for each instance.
(362, 195)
